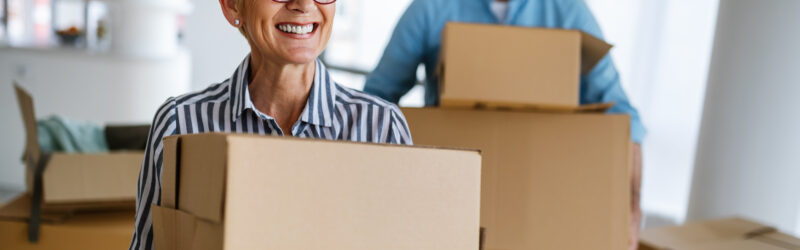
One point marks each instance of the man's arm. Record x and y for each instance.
(396, 72)
(602, 83)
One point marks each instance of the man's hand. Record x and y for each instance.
(636, 187)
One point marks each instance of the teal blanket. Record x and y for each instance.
(59, 134)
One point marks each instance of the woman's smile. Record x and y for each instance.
(297, 30)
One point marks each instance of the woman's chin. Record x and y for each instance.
(300, 57)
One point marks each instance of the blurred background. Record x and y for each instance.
(713, 80)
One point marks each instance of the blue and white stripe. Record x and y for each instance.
(332, 112)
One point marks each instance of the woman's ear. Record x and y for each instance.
(230, 8)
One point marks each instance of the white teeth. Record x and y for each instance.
(296, 29)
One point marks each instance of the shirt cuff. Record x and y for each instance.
(638, 131)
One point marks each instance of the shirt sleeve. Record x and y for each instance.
(396, 74)
(602, 84)
(398, 128)
(149, 185)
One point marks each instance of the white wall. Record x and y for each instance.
(748, 160)
(361, 30)
(84, 86)
(217, 48)
(662, 51)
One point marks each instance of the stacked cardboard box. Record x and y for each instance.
(78, 181)
(727, 234)
(485, 65)
(222, 191)
(98, 230)
(72, 201)
(555, 175)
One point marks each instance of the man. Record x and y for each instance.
(417, 39)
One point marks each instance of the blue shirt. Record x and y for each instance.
(332, 112)
(417, 39)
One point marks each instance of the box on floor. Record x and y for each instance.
(723, 234)
(78, 181)
(223, 191)
(549, 181)
(62, 231)
(504, 66)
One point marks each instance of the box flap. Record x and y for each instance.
(84, 206)
(85, 231)
(169, 172)
(693, 235)
(780, 239)
(207, 236)
(33, 154)
(92, 178)
(201, 175)
(567, 109)
(737, 244)
(593, 50)
(173, 229)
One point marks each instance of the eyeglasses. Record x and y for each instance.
(317, 1)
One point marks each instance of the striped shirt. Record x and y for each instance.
(332, 112)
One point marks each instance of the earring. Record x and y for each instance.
(236, 22)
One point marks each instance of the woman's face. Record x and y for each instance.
(295, 32)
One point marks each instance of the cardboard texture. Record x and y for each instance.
(255, 192)
(19, 209)
(79, 181)
(549, 181)
(728, 234)
(485, 65)
(95, 231)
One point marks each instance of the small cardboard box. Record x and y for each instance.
(549, 181)
(78, 181)
(506, 66)
(82, 231)
(724, 234)
(222, 191)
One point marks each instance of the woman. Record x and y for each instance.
(279, 89)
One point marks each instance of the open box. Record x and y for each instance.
(64, 231)
(484, 65)
(226, 191)
(723, 234)
(76, 181)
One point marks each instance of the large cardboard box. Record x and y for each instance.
(61, 231)
(78, 181)
(723, 234)
(505, 66)
(224, 191)
(549, 181)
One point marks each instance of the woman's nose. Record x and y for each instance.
(301, 6)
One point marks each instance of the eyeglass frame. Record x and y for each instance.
(316, 1)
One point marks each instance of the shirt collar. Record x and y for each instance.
(319, 107)
(513, 9)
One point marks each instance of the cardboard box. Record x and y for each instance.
(79, 181)
(724, 234)
(94, 231)
(507, 66)
(256, 192)
(549, 181)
